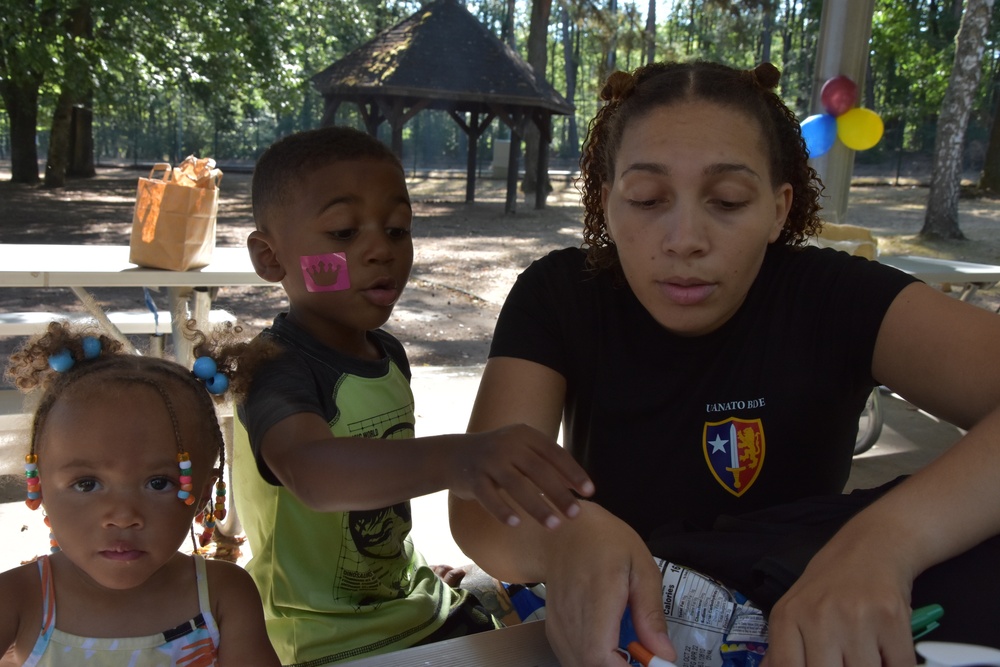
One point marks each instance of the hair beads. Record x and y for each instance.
(187, 485)
(53, 544)
(206, 370)
(34, 499)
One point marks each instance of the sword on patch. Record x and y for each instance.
(734, 457)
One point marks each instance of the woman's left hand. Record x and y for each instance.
(849, 607)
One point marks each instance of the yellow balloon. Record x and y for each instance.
(859, 128)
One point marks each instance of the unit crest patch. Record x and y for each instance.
(734, 451)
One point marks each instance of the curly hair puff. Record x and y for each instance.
(629, 96)
(112, 366)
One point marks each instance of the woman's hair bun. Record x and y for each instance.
(766, 75)
(618, 86)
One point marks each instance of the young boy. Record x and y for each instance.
(327, 466)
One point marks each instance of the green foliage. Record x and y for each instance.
(225, 78)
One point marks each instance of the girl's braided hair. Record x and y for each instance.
(29, 369)
(628, 97)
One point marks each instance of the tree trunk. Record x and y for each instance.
(75, 88)
(22, 111)
(507, 32)
(990, 180)
(59, 149)
(650, 34)
(538, 59)
(571, 63)
(767, 32)
(941, 219)
(81, 141)
(611, 57)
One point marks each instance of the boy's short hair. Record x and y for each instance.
(285, 162)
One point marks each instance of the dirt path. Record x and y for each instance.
(466, 255)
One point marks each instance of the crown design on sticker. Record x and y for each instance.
(324, 274)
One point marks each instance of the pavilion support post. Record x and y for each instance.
(395, 111)
(544, 123)
(470, 162)
(845, 30)
(329, 112)
(515, 120)
(473, 130)
(372, 118)
(514, 157)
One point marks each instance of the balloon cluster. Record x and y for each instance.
(857, 128)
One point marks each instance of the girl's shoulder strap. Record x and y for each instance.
(48, 624)
(204, 601)
(201, 577)
(48, 594)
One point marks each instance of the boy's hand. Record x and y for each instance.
(515, 470)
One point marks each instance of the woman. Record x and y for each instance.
(706, 363)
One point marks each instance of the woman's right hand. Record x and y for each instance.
(597, 569)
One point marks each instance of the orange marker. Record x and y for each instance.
(645, 657)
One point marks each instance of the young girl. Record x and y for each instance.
(123, 456)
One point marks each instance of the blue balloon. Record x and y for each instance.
(819, 131)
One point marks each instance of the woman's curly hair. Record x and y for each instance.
(629, 97)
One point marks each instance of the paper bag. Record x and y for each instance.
(173, 224)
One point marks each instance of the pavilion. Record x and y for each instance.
(442, 58)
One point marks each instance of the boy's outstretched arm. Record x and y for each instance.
(515, 471)
(237, 609)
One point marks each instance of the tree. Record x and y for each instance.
(571, 66)
(649, 35)
(941, 218)
(26, 31)
(538, 59)
(990, 180)
(75, 92)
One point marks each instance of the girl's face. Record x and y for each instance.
(691, 211)
(107, 462)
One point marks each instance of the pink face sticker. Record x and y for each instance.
(325, 273)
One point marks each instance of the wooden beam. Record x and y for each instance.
(543, 121)
(395, 110)
(473, 130)
(371, 117)
(329, 111)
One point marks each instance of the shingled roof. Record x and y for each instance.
(443, 56)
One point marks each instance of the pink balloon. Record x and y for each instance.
(838, 95)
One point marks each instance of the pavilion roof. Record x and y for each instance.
(444, 56)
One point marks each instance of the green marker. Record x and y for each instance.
(925, 619)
